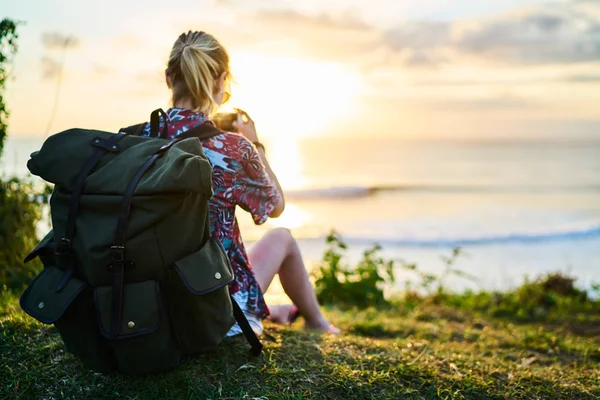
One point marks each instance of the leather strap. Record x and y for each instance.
(246, 328)
(78, 187)
(65, 247)
(117, 266)
(135, 130)
(119, 241)
(118, 270)
(155, 124)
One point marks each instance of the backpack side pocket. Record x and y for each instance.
(199, 299)
(71, 311)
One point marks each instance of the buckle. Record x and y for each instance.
(63, 248)
(118, 253)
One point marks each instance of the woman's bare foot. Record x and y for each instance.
(285, 313)
(322, 325)
(282, 314)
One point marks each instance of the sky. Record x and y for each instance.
(494, 69)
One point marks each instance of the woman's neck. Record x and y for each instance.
(186, 103)
(183, 103)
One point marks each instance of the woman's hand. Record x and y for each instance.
(245, 126)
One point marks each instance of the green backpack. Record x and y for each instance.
(132, 278)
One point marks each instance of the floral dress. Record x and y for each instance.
(239, 179)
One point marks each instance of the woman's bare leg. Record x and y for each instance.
(278, 253)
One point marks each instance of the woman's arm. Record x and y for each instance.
(280, 206)
(245, 126)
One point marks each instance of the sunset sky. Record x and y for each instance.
(414, 69)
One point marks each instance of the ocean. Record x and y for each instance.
(516, 208)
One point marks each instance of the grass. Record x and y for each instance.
(418, 350)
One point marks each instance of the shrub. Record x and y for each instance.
(361, 286)
(553, 297)
(20, 212)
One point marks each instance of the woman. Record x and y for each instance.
(197, 74)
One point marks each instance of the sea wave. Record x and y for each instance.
(484, 240)
(340, 192)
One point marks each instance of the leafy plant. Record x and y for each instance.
(431, 284)
(362, 286)
(595, 289)
(8, 47)
(553, 297)
(20, 212)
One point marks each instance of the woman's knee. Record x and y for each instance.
(282, 235)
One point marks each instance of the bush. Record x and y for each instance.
(361, 286)
(553, 297)
(20, 212)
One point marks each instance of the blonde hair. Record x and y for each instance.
(196, 62)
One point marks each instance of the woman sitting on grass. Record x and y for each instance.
(198, 75)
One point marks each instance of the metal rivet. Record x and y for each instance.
(114, 147)
(96, 141)
(41, 305)
(217, 275)
(131, 324)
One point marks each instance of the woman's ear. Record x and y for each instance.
(221, 82)
(168, 80)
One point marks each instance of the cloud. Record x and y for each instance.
(552, 34)
(556, 34)
(500, 101)
(422, 59)
(293, 20)
(340, 38)
(583, 78)
(510, 81)
(418, 36)
(55, 40)
(539, 37)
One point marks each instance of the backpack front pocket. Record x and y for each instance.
(144, 342)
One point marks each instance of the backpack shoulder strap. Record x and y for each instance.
(203, 131)
(242, 321)
(135, 130)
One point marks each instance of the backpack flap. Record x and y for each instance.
(43, 302)
(44, 250)
(141, 311)
(206, 270)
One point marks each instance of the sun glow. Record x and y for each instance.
(292, 97)
(285, 159)
(293, 218)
